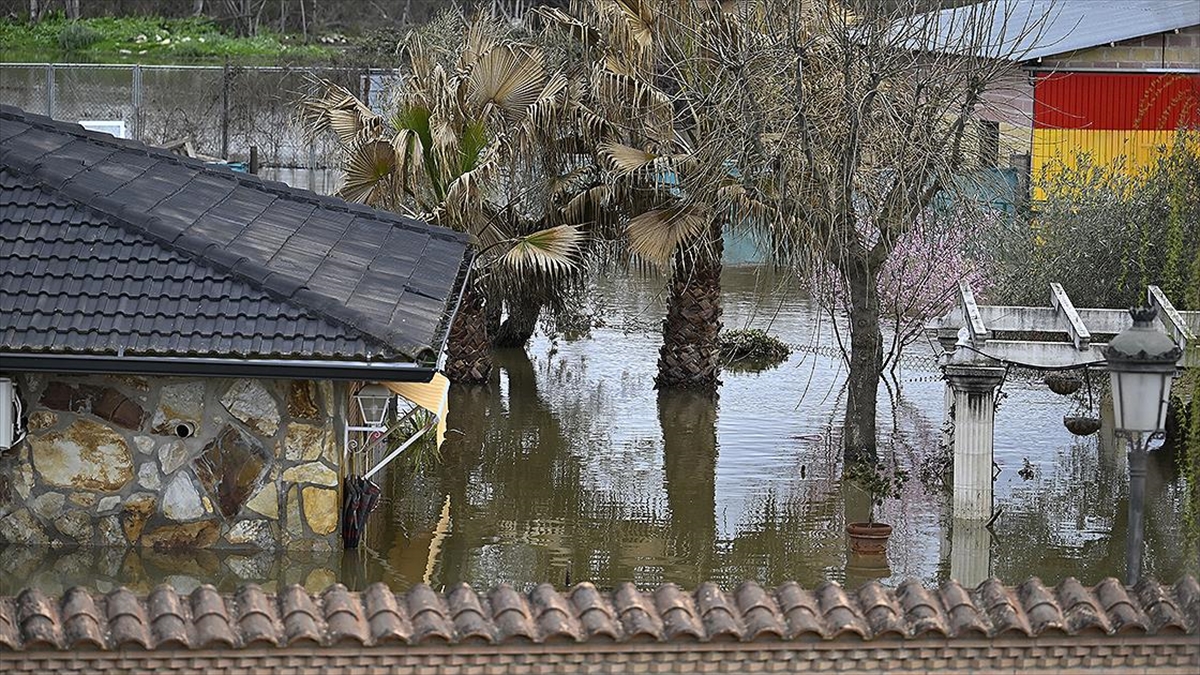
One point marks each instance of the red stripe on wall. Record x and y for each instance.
(1112, 101)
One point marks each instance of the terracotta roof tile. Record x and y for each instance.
(256, 616)
(1003, 608)
(470, 618)
(679, 618)
(719, 613)
(760, 613)
(1187, 591)
(344, 616)
(840, 614)
(1156, 601)
(297, 611)
(80, 620)
(883, 613)
(801, 611)
(511, 616)
(966, 618)
(1041, 608)
(639, 620)
(554, 616)
(1120, 607)
(167, 621)
(387, 619)
(127, 625)
(1080, 610)
(429, 614)
(10, 634)
(210, 619)
(595, 614)
(922, 610)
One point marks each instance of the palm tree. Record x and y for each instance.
(664, 159)
(475, 140)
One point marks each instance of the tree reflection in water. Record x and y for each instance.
(569, 465)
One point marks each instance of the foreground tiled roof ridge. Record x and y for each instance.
(250, 617)
(356, 302)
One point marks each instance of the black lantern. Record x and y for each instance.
(373, 404)
(1141, 362)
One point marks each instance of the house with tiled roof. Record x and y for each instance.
(179, 342)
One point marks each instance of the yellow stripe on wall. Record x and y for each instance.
(1054, 149)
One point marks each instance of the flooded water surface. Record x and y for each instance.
(571, 467)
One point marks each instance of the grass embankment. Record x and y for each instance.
(139, 39)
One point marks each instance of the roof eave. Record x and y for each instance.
(176, 366)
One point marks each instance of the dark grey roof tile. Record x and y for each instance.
(246, 264)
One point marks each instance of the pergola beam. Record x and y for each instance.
(975, 325)
(1171, 318)
(1065, 309)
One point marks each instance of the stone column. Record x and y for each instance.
(970, 552)
(974, 421)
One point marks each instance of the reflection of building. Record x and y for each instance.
(182, 337)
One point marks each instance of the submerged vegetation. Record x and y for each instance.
(752, 349)
(149, 39)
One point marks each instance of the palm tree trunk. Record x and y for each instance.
(469, 360)
(689, 355)
(866, 362)
(522, 320)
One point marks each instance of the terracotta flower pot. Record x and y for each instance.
(868, 537)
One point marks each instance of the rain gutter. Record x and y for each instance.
(281, 369)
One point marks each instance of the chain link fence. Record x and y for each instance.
(221, 111)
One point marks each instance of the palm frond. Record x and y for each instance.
(639, 19)
(625, 160)
(508, 78)
(656, 234)
(370, 170)
(585, 206)
(553, 251)
(336, 109)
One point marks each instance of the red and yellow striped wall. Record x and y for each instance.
(1109, 116)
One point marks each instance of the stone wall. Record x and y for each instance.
(170, 464)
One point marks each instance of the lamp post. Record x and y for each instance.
(1141, 364)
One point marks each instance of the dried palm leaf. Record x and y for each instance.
(553, 251)
(370, 170)
(625, 160)
(656, 234)
(509, 79)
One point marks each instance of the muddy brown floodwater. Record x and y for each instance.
(570, 467)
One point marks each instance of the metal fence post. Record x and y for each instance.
(225, 111)
(136, 132)
(50, 90)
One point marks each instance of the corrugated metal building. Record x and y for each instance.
(1120, 119)
(1116, 80)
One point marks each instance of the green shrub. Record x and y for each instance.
(1105, 233)
(76, 36)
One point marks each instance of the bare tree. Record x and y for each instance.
(825, 126)
(854, 122)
